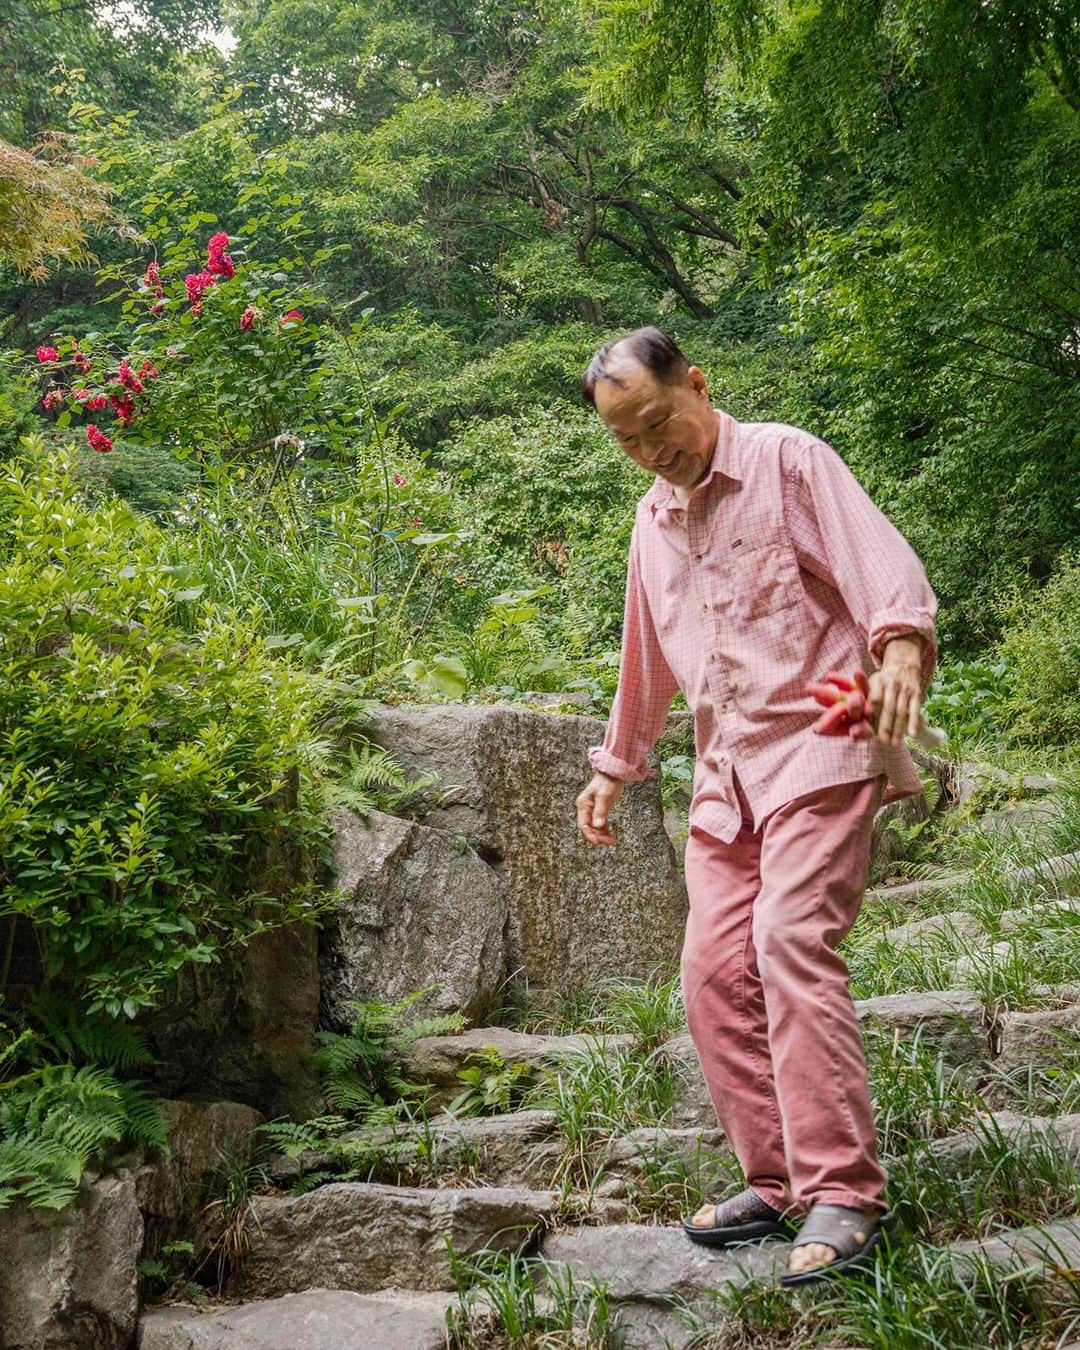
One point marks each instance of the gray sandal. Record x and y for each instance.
(743, 1218)
(853, 1235)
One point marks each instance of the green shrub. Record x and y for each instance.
(1041, 642)
(969, 699)
(145, 742)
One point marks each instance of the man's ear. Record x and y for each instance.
(696, 376)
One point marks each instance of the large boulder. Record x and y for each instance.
(205, 1138)
(417, 911)
(365, 1237)
(575, 913)
(67, 1277)
(245, 1030)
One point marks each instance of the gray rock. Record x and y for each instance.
(1024, 818)
(516, 1148)
(1058, 1132)
(435, 1060)
(1039, 912)
(67, 1278)
(416, 911)
(204, 1139)
(577, 913)
(911, 894)
(973, 777)
(952, 1022)
(693, 1146)
(886, 845)
(924, 932)
(317, 1319)
(1042, 1038)
(692, 1107)
(1053, 1248)
(245, 1032)
(1063, 872)
(652, 1272)
(367, 1237)
(989, 956)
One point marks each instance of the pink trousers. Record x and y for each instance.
(767, 998)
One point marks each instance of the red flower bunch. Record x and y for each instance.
(291, 316)
(93, 403)
(846, 703)
(82, 396)
(53, 399)
(98, 440)
(152, 282)
(129, 379)
(124, 408)
(149, 371)
(247, 319)
(81, 362)
(217, 260)
(197, 283)
(45, 354)
(399, 481)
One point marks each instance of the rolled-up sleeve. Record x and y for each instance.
(842, 537)
(646, 688)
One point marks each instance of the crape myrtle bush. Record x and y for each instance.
(145, 739)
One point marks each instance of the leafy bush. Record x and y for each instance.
(969, 699)
(147, 738)
(1041, 643)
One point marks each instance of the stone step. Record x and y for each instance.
(436, 1059)
(365, 1237)
(317, 1319)
(1052, 1248)
(968, 1146)
(1043, 1038)
(955, 924)
(649, 1269)
(1062, 871)
(512, 1148)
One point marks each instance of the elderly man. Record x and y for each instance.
(757, 563)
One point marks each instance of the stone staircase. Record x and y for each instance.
(351, 1263)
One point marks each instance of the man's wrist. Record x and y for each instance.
(903, 650)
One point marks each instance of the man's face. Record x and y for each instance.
(669, 429)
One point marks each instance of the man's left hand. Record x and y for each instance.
(896, 690)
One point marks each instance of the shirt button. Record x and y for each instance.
(705, 606)
(722, 759)
(697, 557)
(725, 707)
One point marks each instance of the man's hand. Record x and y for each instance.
(896, 690)
(594, 806)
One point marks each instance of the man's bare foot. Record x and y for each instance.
(813, 1254)
(819, 1253)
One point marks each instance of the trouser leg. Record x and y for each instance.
(814, 854)
(725, 1006)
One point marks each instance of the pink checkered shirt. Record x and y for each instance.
(780, 569)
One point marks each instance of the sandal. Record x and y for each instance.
(743, 1218)
(851, 1233)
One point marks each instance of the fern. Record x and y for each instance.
(69, 1034)
(360, 1068)
(55, 1120)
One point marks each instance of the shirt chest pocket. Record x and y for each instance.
(764, 581)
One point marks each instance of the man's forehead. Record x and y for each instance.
(632, 391)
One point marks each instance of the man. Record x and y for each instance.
(757, 563)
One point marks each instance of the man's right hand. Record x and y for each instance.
(594, 806)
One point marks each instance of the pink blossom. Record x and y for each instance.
(149, 370)
(96, 403)
(398, 480)
(81, 395)
(196, 283)
(124, 408)
(45, 354)
(53, 399)
(98, 440)
(247, 319)
(217, 260)
(129, 379)
(291, 316)
(81, 362)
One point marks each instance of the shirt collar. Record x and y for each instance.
(662, 494)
